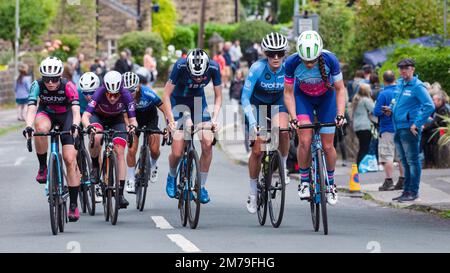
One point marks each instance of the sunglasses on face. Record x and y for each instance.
(310, 62)
(113, 96)
(88, 93)
(272, 54)
(51, 79)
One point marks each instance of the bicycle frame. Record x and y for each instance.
(316, 145)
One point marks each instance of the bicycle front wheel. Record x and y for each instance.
(143, 171)
(114, 189)
(314, 204)
(261, 197)
(323, 189)
(53, 194)
(182, 192)
(276, 189)
(193, 194)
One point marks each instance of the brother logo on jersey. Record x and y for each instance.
(272, 86)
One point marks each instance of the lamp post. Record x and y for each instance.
(445, 21)
(201, 32)
(16, 43)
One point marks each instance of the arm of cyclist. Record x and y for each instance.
(168, 89)
(340, 101)
(247, 92)
(32, 107)
(72, 95)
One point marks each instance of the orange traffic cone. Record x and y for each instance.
(354, 180)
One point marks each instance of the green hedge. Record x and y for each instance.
(432, 64)
(251, 32)
(183, 38)
(224, 30)
(138, 41)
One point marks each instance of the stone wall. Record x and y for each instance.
(217, 11)
(6, 85)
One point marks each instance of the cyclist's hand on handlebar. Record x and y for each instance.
(131, 129)
(172, 126)
(28, 132)
(214, 126)
(75, 129)
(340, 120)
(294, 123)
(91, 129)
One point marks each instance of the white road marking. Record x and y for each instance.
(19, 161)
(161, 222)
(183, 243)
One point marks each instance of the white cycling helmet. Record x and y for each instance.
(113, 81)
(89, 82)
(130, 81)
(51, 67)
(197, 62)
(274, 42)
(309, 45)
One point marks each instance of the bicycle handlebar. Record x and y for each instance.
(52, 133)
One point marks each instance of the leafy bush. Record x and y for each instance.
(183, 38)
(64, 46)
(337, 28)
(286, 11)
(139, 41)
(381, 25)
(432, 64)
(164, 21)
(251, 32)
(225, 31)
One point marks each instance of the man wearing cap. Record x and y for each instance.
(410, 108)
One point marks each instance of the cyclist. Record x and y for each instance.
(313, 82)
(58, 104)
(88, 83)
(264, 88)
(184, 91)
(106, 109)
(147, 115)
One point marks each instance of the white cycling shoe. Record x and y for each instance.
(332, 195)
(251, 203)
(303, 191)
(154, 174)
(130, 186)
(287, 179)
(98, 194)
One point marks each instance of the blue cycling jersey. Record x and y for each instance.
(309, 81)
(148, 99)
(262, 84)
(185, 85)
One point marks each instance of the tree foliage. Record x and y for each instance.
(252, 32)
(164, 21)
(139, 41)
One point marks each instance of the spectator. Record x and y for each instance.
(362, 106)
(271, 20)
(150, 65)
(184, 53)
(236, 55)
(386, 148)
(221, 61)
(353, 86)
(22, 88)
(375, 85)
(413, 105)
(368, 71)
(227, 69)
(431, 135)
(99, 68)
(79, 68)
(72, 75)
(236, 87)
(251, 54)
(122, 64)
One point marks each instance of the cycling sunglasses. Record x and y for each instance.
(272, 54)
(88, 93)
(51, 79)
(311, 62)
(112, 96)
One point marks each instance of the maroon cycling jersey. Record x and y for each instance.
(101, 105)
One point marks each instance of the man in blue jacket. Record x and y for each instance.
(411, 108)
(386, 147)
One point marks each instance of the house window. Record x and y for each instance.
(112, 47)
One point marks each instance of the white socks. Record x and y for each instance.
(131, 173)
(253, 186)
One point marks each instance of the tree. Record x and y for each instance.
(164, 21)
(35, 17)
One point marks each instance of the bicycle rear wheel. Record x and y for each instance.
(53, 194)
(62, 199)
(323, 189)
(114, 189)
(276, 189)
(194, 186)
(182, 192)
(105, 189)
(87, 189)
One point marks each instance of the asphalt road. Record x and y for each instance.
(225, 226)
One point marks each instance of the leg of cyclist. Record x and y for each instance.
(154, 141)
(280, 120)
(174, 158)
(42, 124)
(326, 113)
(131, 163)
(254, 168)
(206, 139)
(95, 151)
(120, 143)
